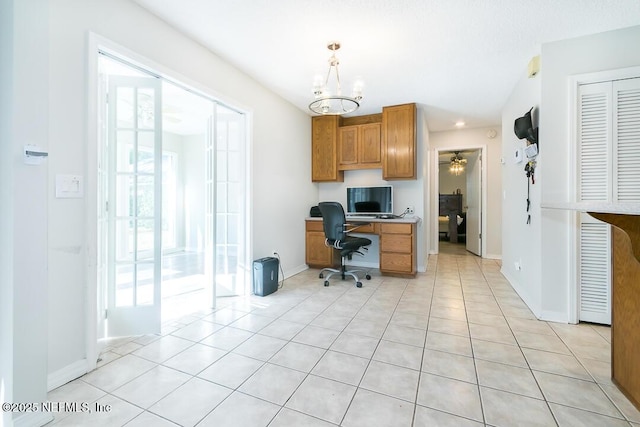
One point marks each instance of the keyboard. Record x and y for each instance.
(380, 216)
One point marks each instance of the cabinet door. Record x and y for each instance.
(324, 141)
(317, 253)
(399, 137)
(370, 145)
(348, 146)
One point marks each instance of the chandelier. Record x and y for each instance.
(329, 99)
(457, 164)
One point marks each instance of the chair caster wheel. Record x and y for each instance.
(326, 283)
(368, 276)
(320, 276)
(358, 284)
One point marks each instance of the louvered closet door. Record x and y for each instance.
(608, 165)
(626, 134)
(594, 182)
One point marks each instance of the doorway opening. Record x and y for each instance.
(172, 208)
(459, 207)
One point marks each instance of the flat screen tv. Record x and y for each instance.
(370, 200)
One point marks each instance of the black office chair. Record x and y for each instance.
(335, 231)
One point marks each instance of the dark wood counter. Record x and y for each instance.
(625, 302)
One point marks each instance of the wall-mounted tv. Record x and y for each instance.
(370, 200)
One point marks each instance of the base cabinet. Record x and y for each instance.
(317, 254)
(398, 252)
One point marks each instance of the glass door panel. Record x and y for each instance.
(231, 267)
(134, 197)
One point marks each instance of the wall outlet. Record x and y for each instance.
(410, 210)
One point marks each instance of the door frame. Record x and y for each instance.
(96, 44)
(435, 243)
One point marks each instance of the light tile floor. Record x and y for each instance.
(453, 347)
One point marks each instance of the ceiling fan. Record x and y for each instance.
(457, 164)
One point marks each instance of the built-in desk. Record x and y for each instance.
(398, 244)
(625, 289)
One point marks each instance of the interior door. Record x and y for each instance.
(134, 206)
(474, 203)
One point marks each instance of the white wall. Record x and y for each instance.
(23, 223)
(8, 165)
(470, 139)
(545, 247)
(521, 241)
(282, 190)
(424, 165)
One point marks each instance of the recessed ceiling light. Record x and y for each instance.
(460, 124)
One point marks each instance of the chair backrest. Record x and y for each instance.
(333, 220)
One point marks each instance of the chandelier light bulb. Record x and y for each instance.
(357, 89)
(318, 86)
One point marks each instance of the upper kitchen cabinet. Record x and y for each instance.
(324, 149)
(399, 142)
(360, 147)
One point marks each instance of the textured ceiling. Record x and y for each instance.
(459, 59)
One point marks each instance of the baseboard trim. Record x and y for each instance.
(492, 256)
(526, 298)
(293, 271)
(66, 374)
(554, 316)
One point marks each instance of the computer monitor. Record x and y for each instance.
(370, 200)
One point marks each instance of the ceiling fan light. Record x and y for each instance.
(457, 164)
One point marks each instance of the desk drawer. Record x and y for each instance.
(395, 228)
(399, 263)
(314, 226)
(399, 243)
(364, 228)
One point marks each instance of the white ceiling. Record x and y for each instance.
(459, 59)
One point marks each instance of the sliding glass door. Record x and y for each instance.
(175, 166)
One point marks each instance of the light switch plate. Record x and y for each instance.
(69, 186)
